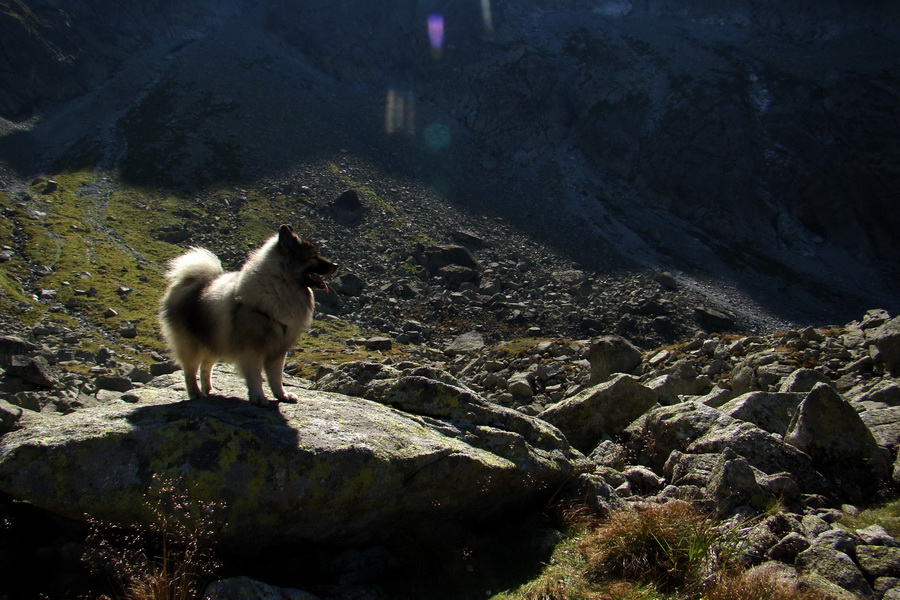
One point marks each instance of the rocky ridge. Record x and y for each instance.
(800, 427)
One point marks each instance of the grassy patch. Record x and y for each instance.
(328, 346)
(887, 515)
(668, 551)
(96, 251)
(367, 195)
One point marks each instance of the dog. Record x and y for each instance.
(250, 318)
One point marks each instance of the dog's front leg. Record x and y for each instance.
(253, 375)
(274, 373)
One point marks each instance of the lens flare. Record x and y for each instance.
(400, 112)
(436, 34)
(437, 136)
(487, 16)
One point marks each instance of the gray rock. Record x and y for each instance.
(690, 469)
(348, 284)
(764, 451)
(378, 343)
(602, 410)
(353, 378)
(713, 320)
(887, 339)
(244, 588)
(593, 491)
(733, 483)
(746, 376)
(455, 275)
(163, 368)
(680, 379)
(9, 416)
(32, 369)
(459, 412)
(781, 485)
(836, 567)
(668, 428)
(803, 380)
(330, 467)
(813, 526)
(138, 375)
(518, 385)
(466, 343)
(831, 432)
(878, 561)
(437, 257)
(877, 535)
(612, 354)
(348, 207)
(11, 345)
(885, 392)
(643, 480)
(113, 383)
(769, 411)
(787, 549)
(467, 237)
(884, 423)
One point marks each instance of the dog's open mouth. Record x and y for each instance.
(315, 281)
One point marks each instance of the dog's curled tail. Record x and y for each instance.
(197, 265)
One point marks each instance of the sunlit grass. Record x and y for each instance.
(887, 515)
(669, 551)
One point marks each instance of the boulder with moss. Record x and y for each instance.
(331, 467)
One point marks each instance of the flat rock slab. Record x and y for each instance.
(331, 467)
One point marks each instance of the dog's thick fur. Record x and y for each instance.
(250, 317)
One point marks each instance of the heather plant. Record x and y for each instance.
(170, 559)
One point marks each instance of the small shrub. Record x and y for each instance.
(671, 546)
(169, 560)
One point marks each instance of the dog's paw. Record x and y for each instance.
(289, 398)
(259, 400)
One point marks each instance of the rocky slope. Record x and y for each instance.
(801, 426)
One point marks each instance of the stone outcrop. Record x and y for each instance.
(330, 468)
(602, 411)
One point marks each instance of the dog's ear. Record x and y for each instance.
(286, 239)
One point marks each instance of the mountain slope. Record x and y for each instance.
(750, 159)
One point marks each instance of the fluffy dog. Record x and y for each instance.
(250, 317)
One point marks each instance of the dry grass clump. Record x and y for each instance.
(759, 585)
(669, 551)
(671, 546)
(169, 560)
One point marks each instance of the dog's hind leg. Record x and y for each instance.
(274, 373)
(190, 379)
(206, 375)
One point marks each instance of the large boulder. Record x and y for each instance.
(331, 467)
(693, 428)
(600, 411)
(612, 354)
(831, 432)
(662, 430)
(887, 340)
(770, 411)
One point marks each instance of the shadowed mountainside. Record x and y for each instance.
(747, 144)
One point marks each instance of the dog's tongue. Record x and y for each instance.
(320, 283)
